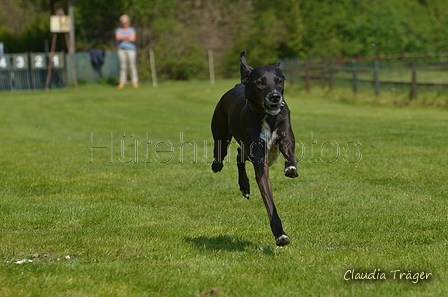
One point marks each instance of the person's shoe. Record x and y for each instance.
(120, 86)
(136, 86)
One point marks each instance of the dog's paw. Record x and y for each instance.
(291, 171)
(245, 194)
(217, 167)
(282, 240)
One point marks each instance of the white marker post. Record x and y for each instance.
(153, 67)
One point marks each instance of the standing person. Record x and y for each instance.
(127, 51)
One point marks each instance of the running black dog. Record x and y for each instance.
(257, 116)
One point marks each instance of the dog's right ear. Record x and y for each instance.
(244, 69)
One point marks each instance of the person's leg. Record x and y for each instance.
(123, 67)
(133, 67)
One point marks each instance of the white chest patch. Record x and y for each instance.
(270, 138)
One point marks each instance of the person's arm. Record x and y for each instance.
(131, 37)
(120, 37)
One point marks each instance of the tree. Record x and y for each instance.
(182, 31)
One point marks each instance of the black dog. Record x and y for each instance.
(256, 115)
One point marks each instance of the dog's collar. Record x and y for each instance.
(254, 108)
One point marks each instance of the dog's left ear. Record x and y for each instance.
(244, 69)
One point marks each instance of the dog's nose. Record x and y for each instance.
(276, 97)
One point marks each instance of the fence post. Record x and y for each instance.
(307, 75)
(378, 55)
(359, 57)
(153, 67)
(403, 57)
(291, 66)
(331, 74)
(323, 73)
(296, 70)
(377, 78)
(414, 80)
(355, 78)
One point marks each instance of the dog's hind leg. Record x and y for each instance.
(243, 180)
(222, 136)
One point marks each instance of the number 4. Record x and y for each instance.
(3, 63)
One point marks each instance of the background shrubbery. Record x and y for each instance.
(182, 31)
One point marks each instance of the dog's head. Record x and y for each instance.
(264, 86)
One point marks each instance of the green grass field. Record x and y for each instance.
(110, 193)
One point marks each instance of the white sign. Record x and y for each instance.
(19, 61)
(4, 62)
(58, 60)
(60, 23)
(38, 61)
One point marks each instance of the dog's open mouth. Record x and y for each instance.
(273, 109)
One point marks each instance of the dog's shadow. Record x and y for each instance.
(226, 243)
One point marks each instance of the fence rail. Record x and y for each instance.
(413, 70)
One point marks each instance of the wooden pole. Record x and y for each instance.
(414, 80)
(295, 73)
(359, 57)
(403, 58)
(72, 27)
(323, 72)
(72, 61)
(50, 62)
(307, 75)
(377, 78)
(331, 73)
(355, 78)
(153, 67)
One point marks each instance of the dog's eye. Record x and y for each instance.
(260, 83)
(279, 81)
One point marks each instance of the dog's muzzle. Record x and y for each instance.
(273, 103)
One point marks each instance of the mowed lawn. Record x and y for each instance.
(110, 193)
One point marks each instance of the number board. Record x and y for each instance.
(20, 61)
(5, 62)
(58, 60)
(38, 61)
(60, 23)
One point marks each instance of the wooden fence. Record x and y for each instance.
(412, 70)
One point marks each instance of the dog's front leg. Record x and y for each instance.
(287, 148)
(262, 177)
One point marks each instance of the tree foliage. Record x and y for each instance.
(182, 31)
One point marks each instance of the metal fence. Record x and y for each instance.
(409, 71)
(28, 71)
